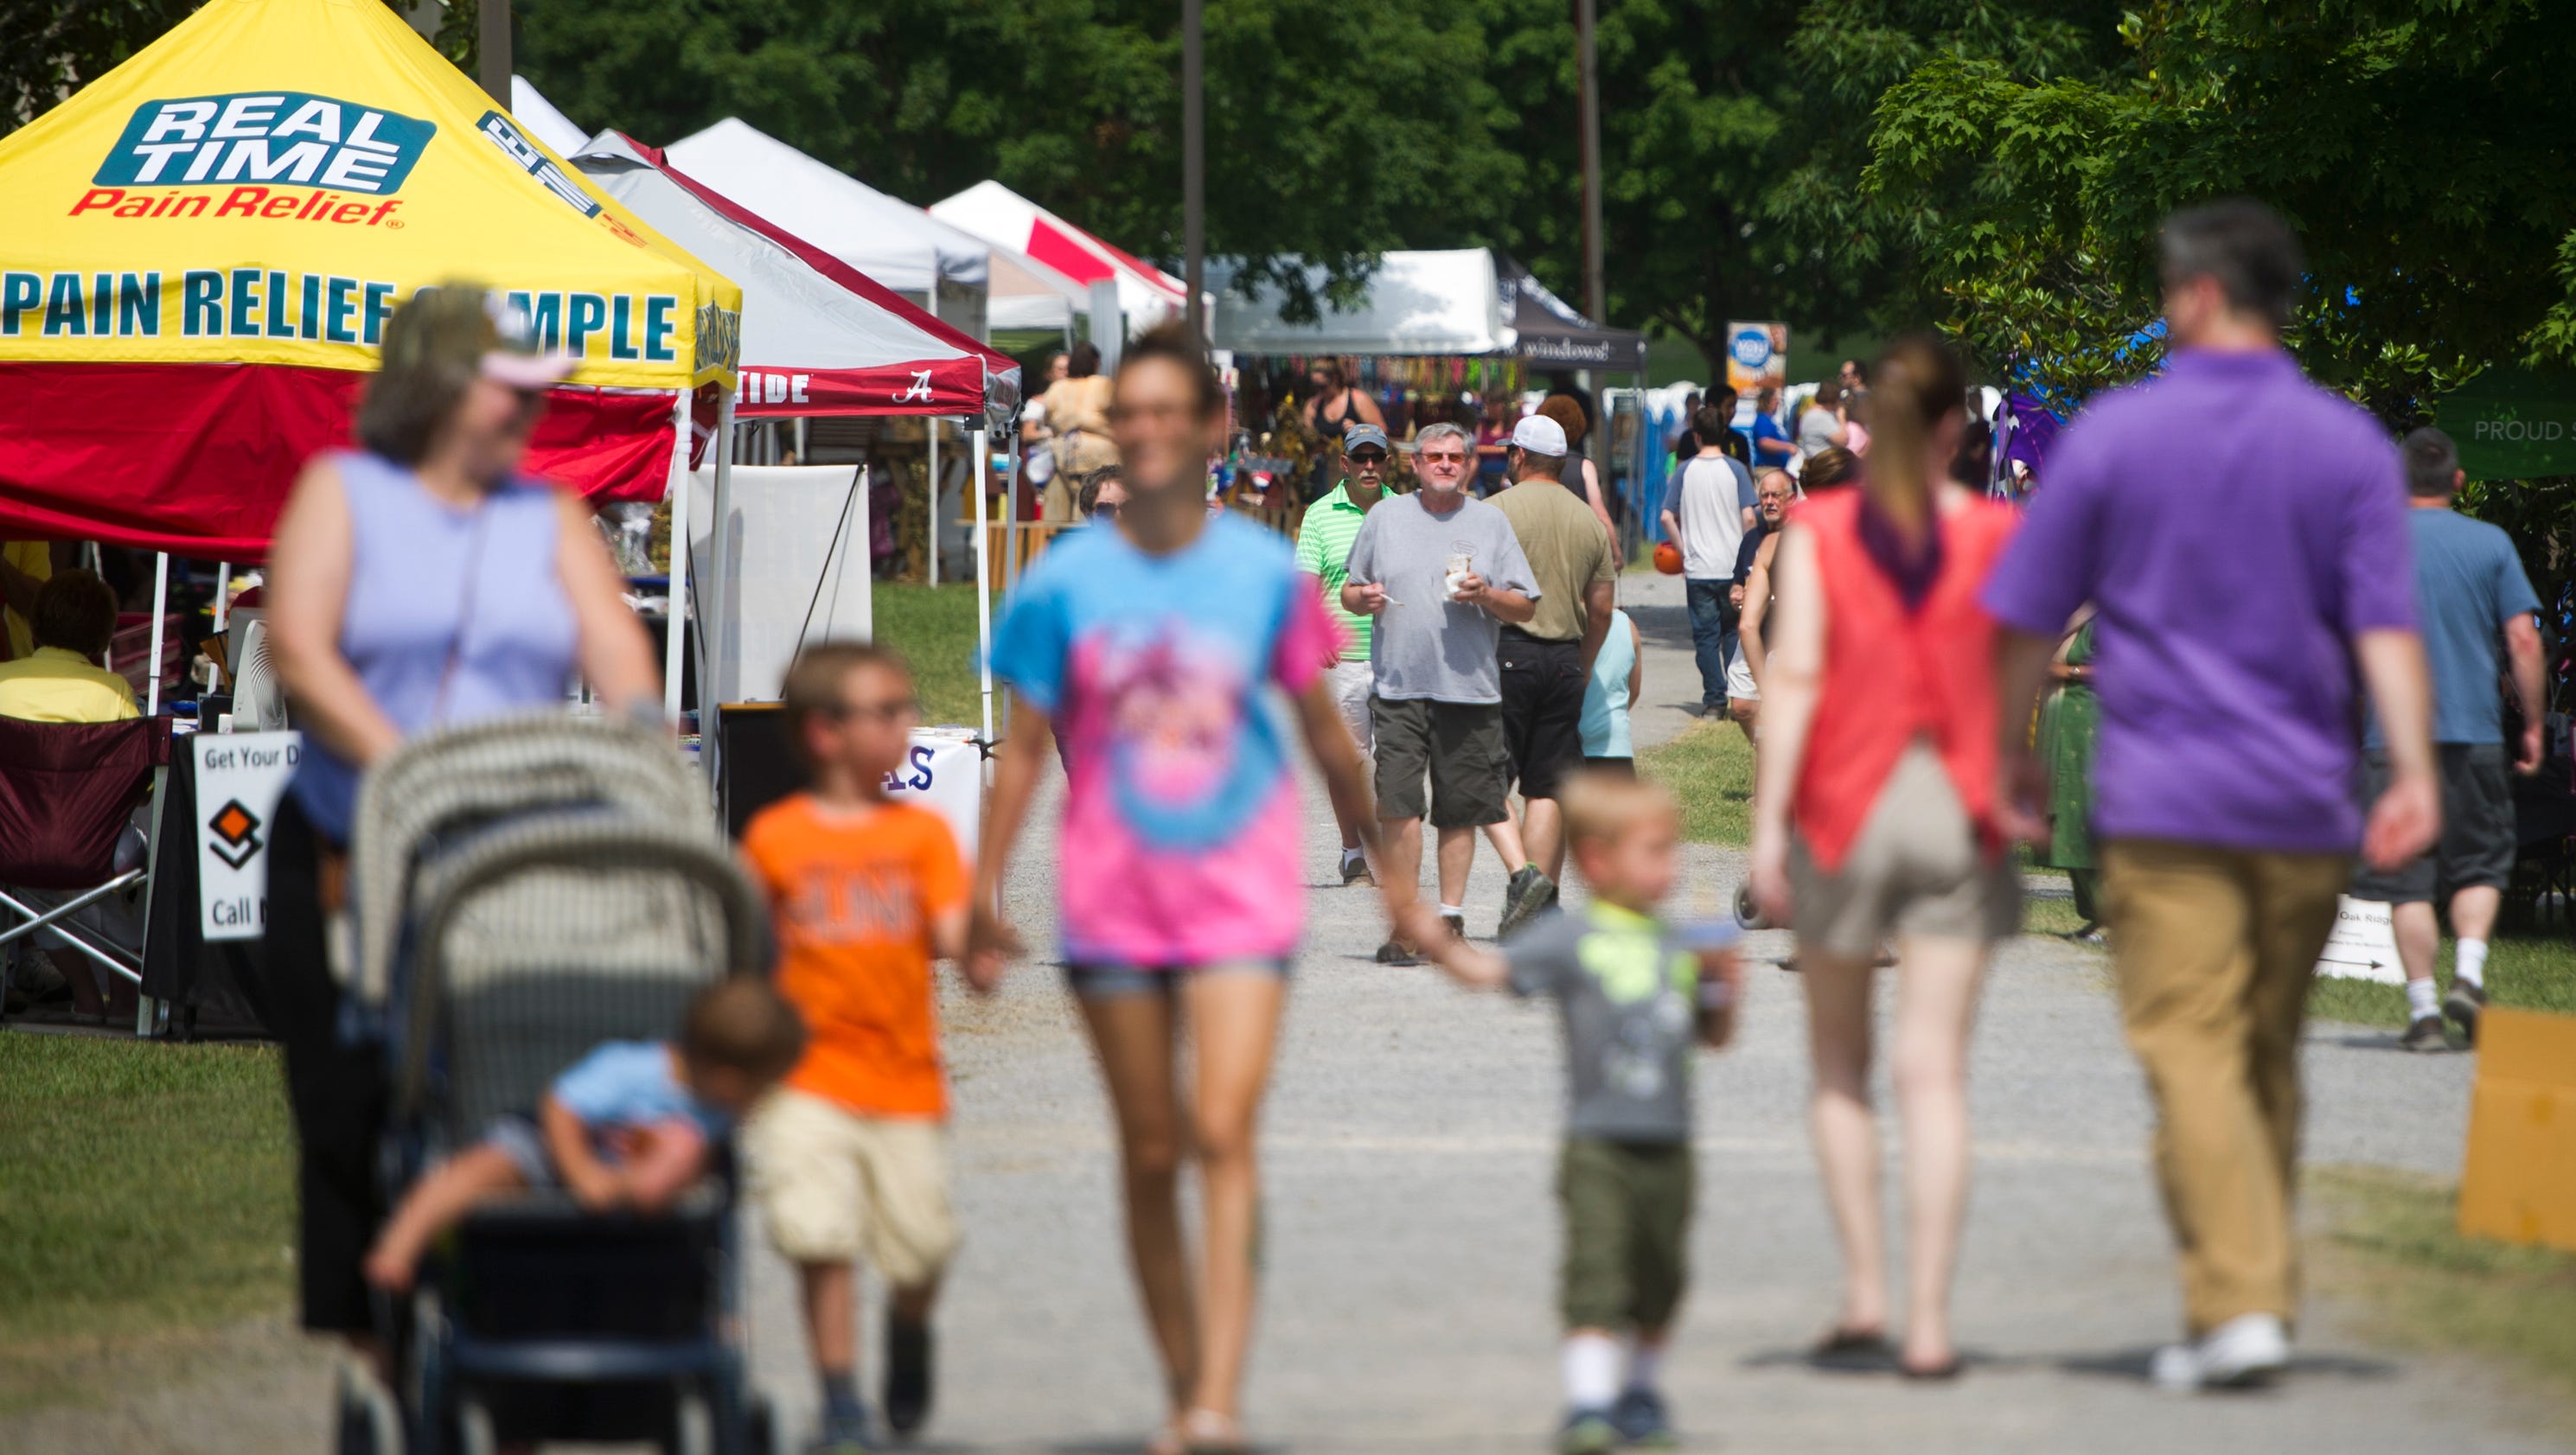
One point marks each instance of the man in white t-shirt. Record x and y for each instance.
(1707, 513)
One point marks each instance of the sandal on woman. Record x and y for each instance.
(1941, 1373)
(1206, 1432)
(1847, 1348)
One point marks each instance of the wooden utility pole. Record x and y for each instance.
(492, 38)
(1193, 163)
(1596, 302)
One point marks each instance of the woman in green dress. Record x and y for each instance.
(2068, 720)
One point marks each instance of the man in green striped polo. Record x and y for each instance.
(1324, 548)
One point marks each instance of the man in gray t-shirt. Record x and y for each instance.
(1436, 707)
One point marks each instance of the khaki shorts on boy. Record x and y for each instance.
(838, 1187)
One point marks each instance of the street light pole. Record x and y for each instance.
(1588, 104)
(1193, 162)
(492, 38)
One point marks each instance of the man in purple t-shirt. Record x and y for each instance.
(2242, 535)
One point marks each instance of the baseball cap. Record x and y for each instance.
(1539, 435)
(467, 327)
(1365, 434)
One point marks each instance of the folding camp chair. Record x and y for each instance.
(66, 793)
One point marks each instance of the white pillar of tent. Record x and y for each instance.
(1108, 323)
(223, 595)
(983, 603)
(678, 615)
(716, 619)
(858, 536)
(933, 422)
(160, 604)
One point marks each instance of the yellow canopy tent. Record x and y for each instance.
(204, 244)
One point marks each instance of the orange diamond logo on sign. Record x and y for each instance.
(236, 833)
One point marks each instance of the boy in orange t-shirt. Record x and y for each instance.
(848, 1158)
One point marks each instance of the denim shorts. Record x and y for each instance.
(517, 1138)
(1109, 982)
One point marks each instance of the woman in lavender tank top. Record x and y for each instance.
(415, 581)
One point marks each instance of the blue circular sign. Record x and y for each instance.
(1751, 347)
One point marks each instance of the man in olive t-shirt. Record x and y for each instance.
(1547, 661)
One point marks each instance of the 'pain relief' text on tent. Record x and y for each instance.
(205, 244)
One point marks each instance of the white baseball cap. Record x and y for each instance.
(1539, 435)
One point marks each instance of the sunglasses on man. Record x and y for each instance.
(1368, 457)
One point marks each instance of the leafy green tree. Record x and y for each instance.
(49, 50)
(2400, 136)
(1334, 131)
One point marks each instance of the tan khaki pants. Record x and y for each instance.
(839, 1187)
(2214, 949)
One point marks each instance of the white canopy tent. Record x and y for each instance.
(818, 339)
(542, 121)
(897, 244)
(1146, 294)
(1449, 302)
(1464, 301)
(1027, 294)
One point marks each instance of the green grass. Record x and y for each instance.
(934, 627)
(2394, 1246)
(1710, 769)
(2535, 971)
(143, 1188)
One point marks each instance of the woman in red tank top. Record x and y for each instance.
(1874, 821)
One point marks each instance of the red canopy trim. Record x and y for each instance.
(946, 386)
(197, 459)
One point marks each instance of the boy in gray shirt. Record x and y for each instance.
(1635, 995)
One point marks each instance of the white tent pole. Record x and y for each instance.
(934, 531)
(1015, 552)
(983, 604)
(1011, 538)
(223, 594)
(867, 576)
(718, 617)
(160, 604)
(678, 613)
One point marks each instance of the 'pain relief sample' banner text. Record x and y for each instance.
(266, 183)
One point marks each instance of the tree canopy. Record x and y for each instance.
(1996, 167)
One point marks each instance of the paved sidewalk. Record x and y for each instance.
(1410, 1242)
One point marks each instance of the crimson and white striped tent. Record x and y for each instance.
(1146, 294)
(819, 338)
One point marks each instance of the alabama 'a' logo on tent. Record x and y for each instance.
(272, 136)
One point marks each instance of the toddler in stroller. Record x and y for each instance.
(631, 1127)
(526, 896)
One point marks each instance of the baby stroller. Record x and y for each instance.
(521, 891)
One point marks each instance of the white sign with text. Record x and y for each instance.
(2363, 945)
(240, 777)
(944, 773)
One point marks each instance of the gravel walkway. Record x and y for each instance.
(1411, 1231)
(1411, 1237)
